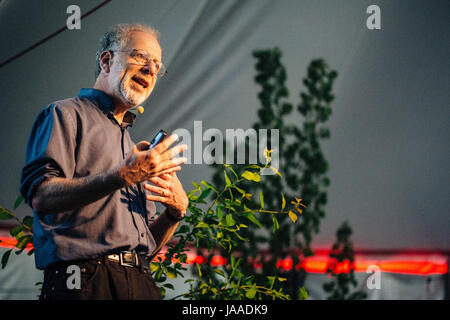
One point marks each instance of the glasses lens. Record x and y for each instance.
(161, 69)
(143, 58)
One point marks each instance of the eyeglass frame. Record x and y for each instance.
(148, 59)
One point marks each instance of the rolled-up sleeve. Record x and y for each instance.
(50, 149)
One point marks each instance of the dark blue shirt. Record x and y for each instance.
(79, 137)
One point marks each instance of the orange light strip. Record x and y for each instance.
(319, 264)
(9, 242)
(421, 265)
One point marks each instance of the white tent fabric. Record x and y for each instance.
(388, 151)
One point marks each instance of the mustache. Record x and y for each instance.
(143, 81)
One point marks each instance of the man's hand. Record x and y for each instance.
(169, 192)
(142, 164)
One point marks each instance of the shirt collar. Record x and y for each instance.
(105, 103)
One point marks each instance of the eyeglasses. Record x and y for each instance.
(144, 59)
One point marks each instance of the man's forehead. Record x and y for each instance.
(144, 41)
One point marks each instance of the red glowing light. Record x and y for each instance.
(321, 262)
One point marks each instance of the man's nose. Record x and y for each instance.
(149, 68)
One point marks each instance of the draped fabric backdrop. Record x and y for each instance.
(388, 152)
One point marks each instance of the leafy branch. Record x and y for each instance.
(219, 222)
(23, 232)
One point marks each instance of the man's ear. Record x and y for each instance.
(106, 60)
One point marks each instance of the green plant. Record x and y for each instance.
(22, 231)
(301, 160)
(342, 254)
(220, 222)
(211, 223)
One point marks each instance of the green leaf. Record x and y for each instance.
(169, 285)
(220, 272)
(233, 262)
(271, 281)
(209, 186)
(28, 221)
(252, 166)
(240, 237)
(252, 218)
(302, 294)
(276, 171)
(276, 225)
(252, 176)
(5, 258)
(234, 290)
(16, 230)
(23, 241)
(183, 229)
(229, 220)
(18, 202)
(171, 273)
(227, 180)
(231, 169)
(201, 224)
(251, 292)
(196, 185)
(154, 266)
(205, 193)
(5, 214)
(292, 215)
(267, 153)
(261, 199)
(199, 270)
(240, 191)
(191, 194)
(219, 212)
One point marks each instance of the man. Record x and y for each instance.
(87, 183)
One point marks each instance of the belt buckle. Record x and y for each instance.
(124, 261)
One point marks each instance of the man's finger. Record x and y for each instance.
(171, 163)
(166, 176)
(178, 168)
(151, 197)
(166, 143)
(172, 152)
(158, 190)
(158, 181)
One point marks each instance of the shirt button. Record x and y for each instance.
(83, 270)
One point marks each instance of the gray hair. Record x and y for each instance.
(116, 38)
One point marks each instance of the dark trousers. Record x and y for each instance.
(98, 279)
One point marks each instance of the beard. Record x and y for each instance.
(130, 96)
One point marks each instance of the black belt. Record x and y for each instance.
(123, 258)
(129, 259)
(126, 258)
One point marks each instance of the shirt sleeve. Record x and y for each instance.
(50, 149)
